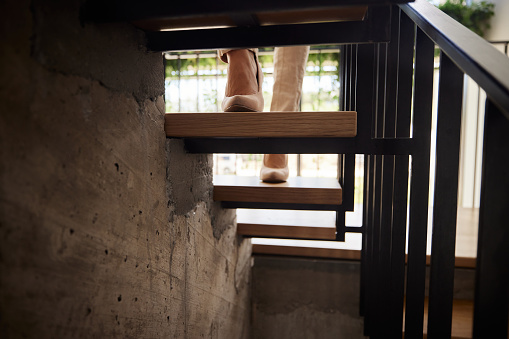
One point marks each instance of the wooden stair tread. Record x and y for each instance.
(297, 190)
(262, 18)
(325, 219)
(261, 124)
(349, 249)
(286, 224)
(313, 252)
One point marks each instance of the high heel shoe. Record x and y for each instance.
(243, 102)
(274, 168)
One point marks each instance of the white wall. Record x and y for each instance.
(499, 23)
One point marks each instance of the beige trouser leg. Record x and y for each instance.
(289, 69)
(222, 53)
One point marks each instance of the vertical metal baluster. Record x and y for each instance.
(217, 83)
(399, 213)
(365, 248)
(450, 98)
(342, 67)
(348, 182)
(340, 225)
(492, 275)
(165, 64)
(347, 162)
(299, 165)
(349, 159)
(350, 83)
(197, 82)
(390, 86)
(369, 241)
(419, 186)
(179, 63)
(342, 74)
(376, 304)
(364, 56)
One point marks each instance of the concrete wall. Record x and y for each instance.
(107, 229)
(304, 298)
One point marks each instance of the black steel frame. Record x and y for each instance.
(133, 10)
(387, 77)
(382, 82)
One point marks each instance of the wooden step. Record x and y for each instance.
(350, 249)
(297, 190)
(320, 225)
(262, 18)
(261, 124)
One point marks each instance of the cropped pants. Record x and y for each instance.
(289, 70)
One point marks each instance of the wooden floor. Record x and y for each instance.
(288, 222)
(466, 240)
(297, 190)
(462, 318)
(249, 222)
(261, 124)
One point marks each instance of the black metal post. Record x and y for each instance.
(348, 184)
(365, 249)
(365, 58)
(378, 124)
(419, 187)
(492, 273)
(390, 86)
(446, 197)
(340, 225)
(400, 195)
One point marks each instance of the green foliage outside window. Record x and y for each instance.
(475, 16)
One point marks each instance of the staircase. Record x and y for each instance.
(387, 67)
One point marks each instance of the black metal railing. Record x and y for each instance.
(390, 85)
(388, 78)
(501, 45)
(387, 70)
(393, 68)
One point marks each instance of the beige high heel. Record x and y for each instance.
(252, 98)
(274, 168)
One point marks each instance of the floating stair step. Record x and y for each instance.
(320, 225)
(262, 18)
(350, 249)
(261, 124)
(297, 190)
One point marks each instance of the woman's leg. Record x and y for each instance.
(244, 84)
(289, 70)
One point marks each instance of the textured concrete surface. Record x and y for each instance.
(107, 229)
(305, 298)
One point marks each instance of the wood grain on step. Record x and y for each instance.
(286, 224)
(278, 231)
(313, 252)
(261, 124)
(297, 190)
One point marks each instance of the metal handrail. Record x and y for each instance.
(475, 56)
